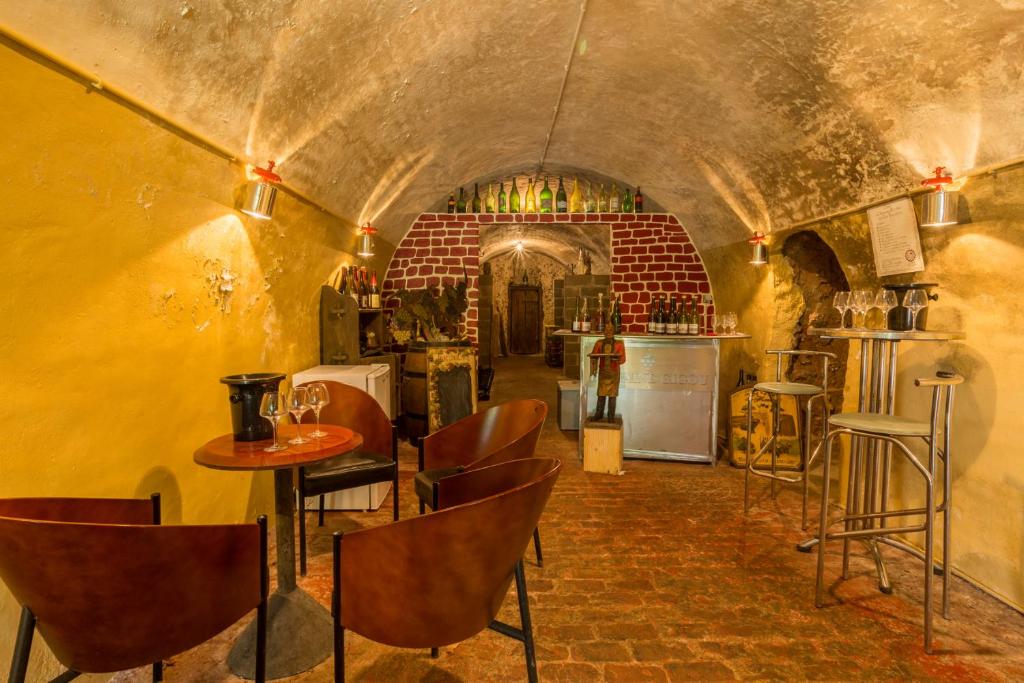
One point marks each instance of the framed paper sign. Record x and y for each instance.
(894, 238)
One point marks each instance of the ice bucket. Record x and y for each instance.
(245, 393)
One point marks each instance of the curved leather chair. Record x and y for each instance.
(110, 589)
(376, 461)
(508, 431)
(466, 557)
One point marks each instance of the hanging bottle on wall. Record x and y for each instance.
(513, 197)
(476, 197)
(546, 198)
(576, 198)
(492, 201)
(602, 198)
(502, 197)
(561, 199)
(531, 197)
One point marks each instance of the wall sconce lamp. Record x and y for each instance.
(939, 208)
(260, 195)
(366, 242)
(759, 257)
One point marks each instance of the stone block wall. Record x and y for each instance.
(650, 254)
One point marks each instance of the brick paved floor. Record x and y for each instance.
(656, 575)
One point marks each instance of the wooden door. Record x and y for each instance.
(525, 317)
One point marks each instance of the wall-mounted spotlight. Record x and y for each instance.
(260, 195)
(366, 242)
(939, 208)
(759, 257)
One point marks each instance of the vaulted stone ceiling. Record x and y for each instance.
(734, 114)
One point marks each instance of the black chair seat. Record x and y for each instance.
(348, 471)
(424, 482)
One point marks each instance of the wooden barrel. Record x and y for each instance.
(414, 386)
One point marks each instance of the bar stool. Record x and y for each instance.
(860, 520)
(774, 390)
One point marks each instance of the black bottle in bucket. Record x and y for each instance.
(899, 318)
(245, 393)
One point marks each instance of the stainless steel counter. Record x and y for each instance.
(668, 394)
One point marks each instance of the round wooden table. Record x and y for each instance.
(298, 628)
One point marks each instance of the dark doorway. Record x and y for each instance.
(818, 276)
(525, 317)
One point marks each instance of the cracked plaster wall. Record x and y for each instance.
(131, 287)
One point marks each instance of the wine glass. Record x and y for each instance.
(841, 302)
(915, 300)
(860, 302)
(885, 301)
(716, 322)
(298, 404)
(318, 398)
(730, 323)
(272, 407)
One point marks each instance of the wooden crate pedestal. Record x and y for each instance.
(602, 446)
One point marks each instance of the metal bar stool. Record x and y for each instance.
(782, 387)
(868, 522)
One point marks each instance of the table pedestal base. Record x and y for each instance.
(298, 637)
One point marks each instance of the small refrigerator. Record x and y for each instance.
(374, 379)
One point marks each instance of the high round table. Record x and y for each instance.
(869, 481)
(298, 627)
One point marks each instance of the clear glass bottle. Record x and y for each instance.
(531, 197)
(576, 320)
(492, 200)
(602, 199)
(585, 321)
(589, 199)
(576, 198)
(614, 200)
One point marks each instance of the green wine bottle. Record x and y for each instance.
(513, 197)
(492, 201)
(460, 206)
(589, 200)
(502, 198)
(602, 198)
(561, 199)
(531, 197)
(545, 198)
(476, 197)
(627, 202)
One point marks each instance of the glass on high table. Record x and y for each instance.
(272, 407)
(318, 398)
(298, 404)
(915, 300)
(885, 301)
(841, 302)
(860, 302)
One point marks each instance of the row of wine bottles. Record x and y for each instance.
(584, 321)
(353, 281)
(672, 317)
(545, 200)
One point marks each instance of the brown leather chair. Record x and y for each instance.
(466, 557)
(376, 461)
(110, 589)
(508, 431)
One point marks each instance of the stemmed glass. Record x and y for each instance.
(298, 404)
(730, 323)
(272, 407)
(885, 301)
(915, 300)
(860, 302)
(841, 302)
(318, 398)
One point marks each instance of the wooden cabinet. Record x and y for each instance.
(525, 317)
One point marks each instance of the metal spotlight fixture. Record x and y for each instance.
(939, 208)
(760, 254)
(260, 195)
(366, 242)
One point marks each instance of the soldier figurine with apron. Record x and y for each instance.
(607, 357)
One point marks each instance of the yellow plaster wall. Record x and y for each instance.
(117, 237)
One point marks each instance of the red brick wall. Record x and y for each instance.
(651, 253)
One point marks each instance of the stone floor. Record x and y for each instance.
(656, 575)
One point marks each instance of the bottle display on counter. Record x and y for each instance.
(585, 321)
(638, 201)
(576, 320)
(614, 200)
(694, 319)
(513, 197)
(589, 199)
(627, 201)
(502, 198)
(364, 289)
(672, 326)
(531, 197)
(353, 284)
(374, 291)
(662, 315)
(460, 205)
(598, 323)
(343, 281)
(561, 199)
(491, 202)
(576, 198)
(476, 198)
(602, 199)
(652, 322)
(547, 204)
(617, 317)
(451, 203)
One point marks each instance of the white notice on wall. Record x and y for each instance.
(895, 239)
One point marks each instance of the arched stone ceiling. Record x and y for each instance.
(734, 114)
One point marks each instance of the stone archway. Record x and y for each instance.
(817, 276)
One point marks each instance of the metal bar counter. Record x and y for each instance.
(668, 394)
